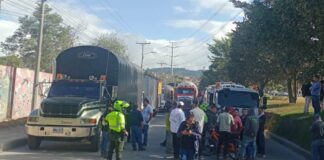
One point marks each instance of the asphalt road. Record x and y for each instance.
(78, 151)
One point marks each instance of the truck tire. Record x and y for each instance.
(95, 142)
(33, 142)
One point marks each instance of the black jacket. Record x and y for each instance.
(262, 121)
(305, 89)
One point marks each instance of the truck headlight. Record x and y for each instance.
(89, 121)
(33, 119)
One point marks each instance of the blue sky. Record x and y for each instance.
(190, 23)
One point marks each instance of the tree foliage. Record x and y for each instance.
(12, 60)
(23, 42)
(218, 70)
(112, 43)
(278, 40)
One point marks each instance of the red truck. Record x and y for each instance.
(186, 92)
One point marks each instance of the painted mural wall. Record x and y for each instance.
(5, 76)
(23, 91)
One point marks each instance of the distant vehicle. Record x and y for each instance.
(186, 92)
(168, 92)
(87, 80)
(277, 93)
(211, 93)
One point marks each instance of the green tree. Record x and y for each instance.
(11, 60)
(219, 58)
(112, 43)
(56, 38)
(252, 61)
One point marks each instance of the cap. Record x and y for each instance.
(180, 103)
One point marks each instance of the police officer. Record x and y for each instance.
(117, 131)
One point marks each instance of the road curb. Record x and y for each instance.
(289, 145)
(13, 144)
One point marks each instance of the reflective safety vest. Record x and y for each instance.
(116, 121)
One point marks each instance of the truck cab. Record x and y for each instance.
(71, 112)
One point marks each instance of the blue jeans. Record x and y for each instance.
(136, 137)
(145, 133)
(104, 143)
(318, 150)
(249, 144)
(187, 154)
(316, 104)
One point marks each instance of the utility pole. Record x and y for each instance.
(39, 55)
(161, 64)
(142, 44)
(172, 56)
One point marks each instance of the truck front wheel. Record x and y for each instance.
(33, 142)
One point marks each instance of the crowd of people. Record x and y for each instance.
(313, 91)
(204, 131)
(121, 121)
(214, 131)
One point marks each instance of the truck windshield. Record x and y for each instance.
(75, 89)
(238, 99)
(184, 91)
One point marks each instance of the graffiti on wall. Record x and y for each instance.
(5, 75)
(43, 87)
(22, 93)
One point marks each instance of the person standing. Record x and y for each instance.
(127, 112)
(189, 138)
(199, 116)
(307, 95)
(317, 138)
(322, 95)
(237, 127)
(211, 126)
(225, 120)
(243, 119)
(249, 135)
(136, 125)
(177, 116)
(260, 141)
(117, 131)
(104, 133)
(147, 115)
(315, 92)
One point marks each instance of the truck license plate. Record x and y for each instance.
(58, 130)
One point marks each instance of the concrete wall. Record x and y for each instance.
(16, 86)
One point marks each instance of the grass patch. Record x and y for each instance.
(288, 121)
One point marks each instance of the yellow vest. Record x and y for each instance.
(116, 121)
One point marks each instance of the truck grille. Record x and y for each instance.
(66, 111)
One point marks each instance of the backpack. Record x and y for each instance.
(253, 126)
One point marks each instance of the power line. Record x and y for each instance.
(92, 10)
(208, 20)
(115, 15)
(120, 17)
(215, 33)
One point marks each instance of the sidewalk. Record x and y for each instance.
(12, 135)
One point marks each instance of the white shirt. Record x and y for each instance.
(225, 120)
(147, 111)
(199, 116)
(177, 116)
